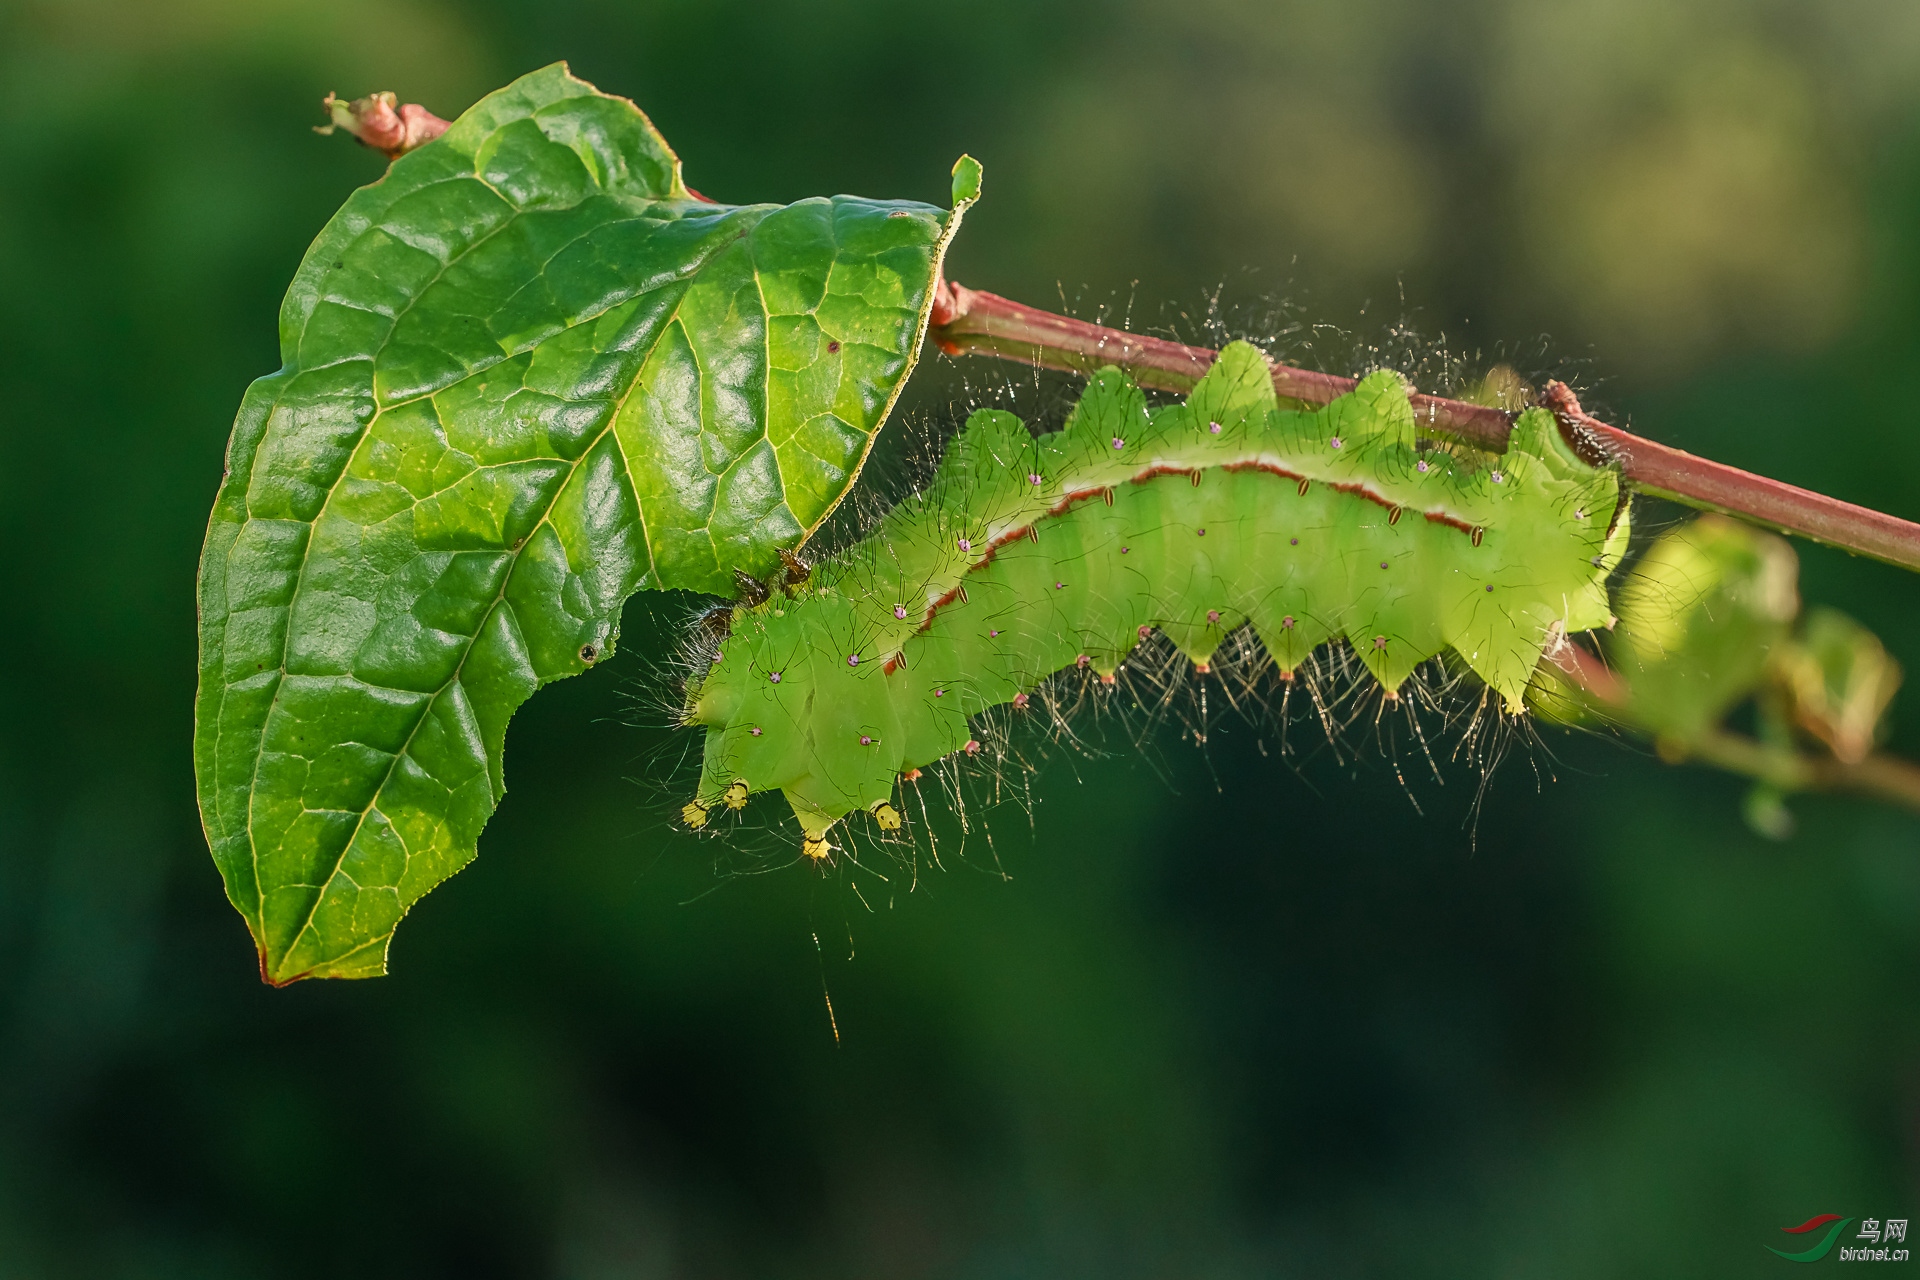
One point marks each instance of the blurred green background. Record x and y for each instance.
(1224, 1019)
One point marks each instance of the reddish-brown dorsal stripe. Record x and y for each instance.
(1151, 473)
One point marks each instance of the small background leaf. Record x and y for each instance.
(526, 374)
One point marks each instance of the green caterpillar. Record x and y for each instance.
(1029, 556)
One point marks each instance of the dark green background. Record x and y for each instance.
(1224, 1019)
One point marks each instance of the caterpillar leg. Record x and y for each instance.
(696, 813)
(886, 816)
(814, 825)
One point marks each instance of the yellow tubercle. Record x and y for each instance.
(694, 814)
(736, 794)
(814, 825)
(887, 816)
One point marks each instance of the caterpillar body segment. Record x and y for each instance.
(1226, 511)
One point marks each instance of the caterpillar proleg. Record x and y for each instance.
(1226, 511)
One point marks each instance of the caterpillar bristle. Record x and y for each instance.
(1249, 583)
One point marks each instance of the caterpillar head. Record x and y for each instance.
(796, 700)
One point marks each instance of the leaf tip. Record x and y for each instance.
(267, 975)
(966, 181)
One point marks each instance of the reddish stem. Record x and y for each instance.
(968, 320)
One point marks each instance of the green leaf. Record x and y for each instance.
(526, 374)
(1702, 617)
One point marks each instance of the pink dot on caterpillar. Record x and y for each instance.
(900, 612)
(1019, 702)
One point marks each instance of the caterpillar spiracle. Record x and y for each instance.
(1029, 555)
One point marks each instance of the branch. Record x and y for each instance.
(971, 321)
(968, 320)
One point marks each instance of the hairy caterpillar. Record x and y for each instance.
(1027, 556)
